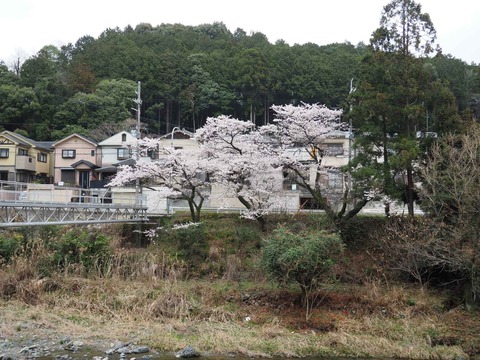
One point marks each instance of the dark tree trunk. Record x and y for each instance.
(410, 197)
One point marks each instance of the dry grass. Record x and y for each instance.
(169, 314)
(148, 297)
(217, 337)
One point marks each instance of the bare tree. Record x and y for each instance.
(105, 130)
(451, 196)
(16, 61)
(408, 242)
(444, 245)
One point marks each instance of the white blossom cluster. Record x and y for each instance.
(246, 161)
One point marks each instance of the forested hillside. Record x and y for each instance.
(188, 73)
(335, 283)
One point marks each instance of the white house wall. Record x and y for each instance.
(186, 144)
(109, 147)
(116, 140)
(110, 156)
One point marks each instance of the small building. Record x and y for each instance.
(336, 154)
(179, 139)
(115, 150)
(24, 160)
(76, 158)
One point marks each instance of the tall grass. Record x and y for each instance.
(155, 295)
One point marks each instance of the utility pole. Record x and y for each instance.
(138, 101)
(138, 201)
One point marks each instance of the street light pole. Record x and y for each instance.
(176, 128)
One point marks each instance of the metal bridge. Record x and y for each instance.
(23, 204)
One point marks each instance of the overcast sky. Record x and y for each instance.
(28, 25)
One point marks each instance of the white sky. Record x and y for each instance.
(28, 25)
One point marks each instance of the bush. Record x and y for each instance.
(305, 258)
(191, 243)
(81, 247)
(8, 248)
(359, 231)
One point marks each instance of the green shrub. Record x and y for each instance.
(8, 248)
(303, 257)
(191, 243)
(247, 238)
(359, 231)
(81, 247)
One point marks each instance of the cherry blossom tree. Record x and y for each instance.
(248, 163)
(303, 130)
(182, 173)
(245, 165)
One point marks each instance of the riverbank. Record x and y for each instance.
(205, 287)
(247, 320)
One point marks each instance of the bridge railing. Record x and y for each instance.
(17, 192)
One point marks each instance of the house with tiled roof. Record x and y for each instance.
(76, 159)
(25, 160)
(115, 150)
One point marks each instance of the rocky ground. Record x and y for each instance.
(66, 348)
(30, 333)
(30, 341)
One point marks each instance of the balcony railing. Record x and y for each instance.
(25, 162)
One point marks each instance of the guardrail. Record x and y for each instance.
(23, 204)
(16, 192)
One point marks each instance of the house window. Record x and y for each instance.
(124, 137)
(22, 177)
(22, 152)
(68, 154)
(287, 180)
(203, 176)
(41, 157)
(123, 154)
(335, 179)
(309, 203)
(4, 153)
(152, 154)
(335, 149)
(92, 153)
